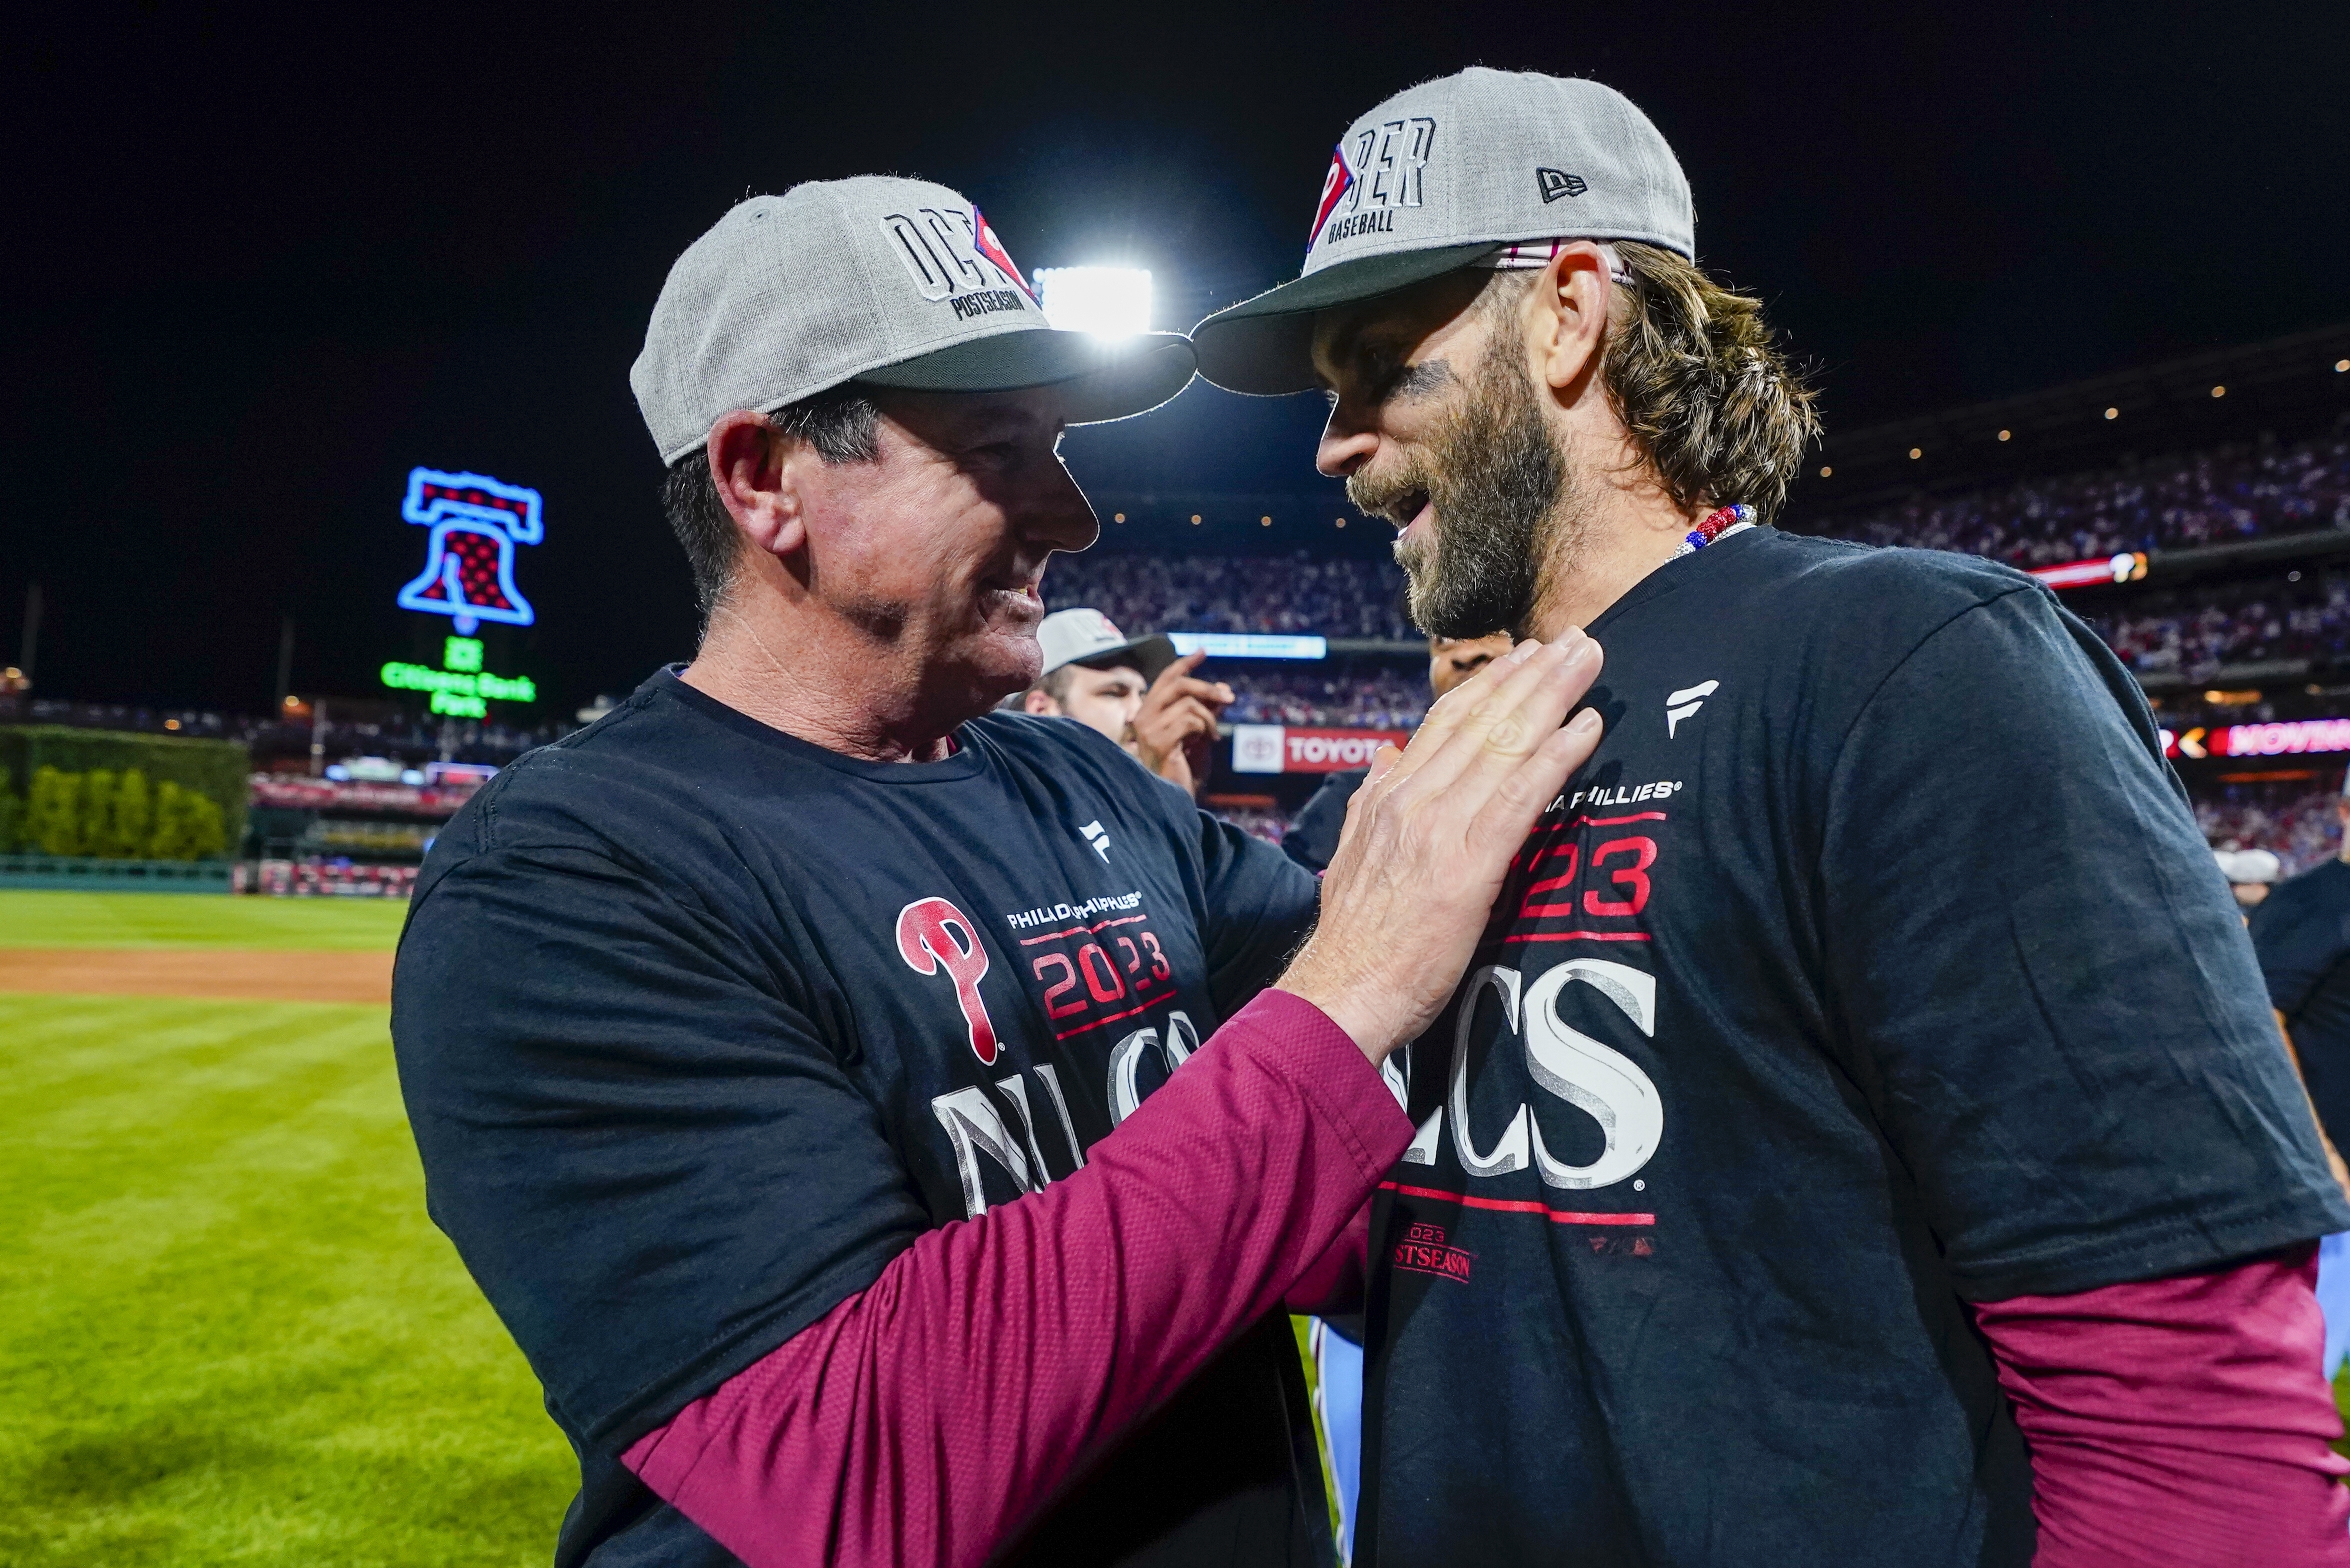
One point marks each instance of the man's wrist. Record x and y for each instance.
(1354, 1007)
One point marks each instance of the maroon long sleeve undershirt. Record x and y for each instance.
(2180, 1421)
(926, 1418)
(923, 1420)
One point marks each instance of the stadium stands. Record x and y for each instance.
(2217, 495)
(2194, 632)
(386, 729)
(2293, 819)
(1342, 598)
(1388, 699)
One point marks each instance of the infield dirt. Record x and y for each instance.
(215, 973)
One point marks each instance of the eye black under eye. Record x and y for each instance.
(1418, 380)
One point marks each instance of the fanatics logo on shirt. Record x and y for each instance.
(1096, 838)
(1680, 704)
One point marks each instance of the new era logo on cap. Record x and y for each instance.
(1441, 175)
(1557, 183)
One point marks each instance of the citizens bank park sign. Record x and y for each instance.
(1283, 748)
(2284, 738)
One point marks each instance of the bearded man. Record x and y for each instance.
(1846, 1146)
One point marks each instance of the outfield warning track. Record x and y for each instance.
(206, 973)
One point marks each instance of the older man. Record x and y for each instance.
(793, 1052)
(1861, 1129)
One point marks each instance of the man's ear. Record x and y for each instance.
(756, 481)
(1039, 701)
(1566, 315)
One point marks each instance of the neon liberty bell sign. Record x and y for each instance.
(477, 522)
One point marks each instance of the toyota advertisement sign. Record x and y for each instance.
(1287, 749)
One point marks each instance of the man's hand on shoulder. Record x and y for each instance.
(1430, 838)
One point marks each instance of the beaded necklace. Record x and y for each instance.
(1720, 523)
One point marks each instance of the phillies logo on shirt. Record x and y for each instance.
(933, 935)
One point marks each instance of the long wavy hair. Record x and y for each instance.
(1699, 380)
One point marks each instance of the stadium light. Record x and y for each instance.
(1107, 301)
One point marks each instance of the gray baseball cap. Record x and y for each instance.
(1441, 176)
(893, 283)
(1090, 637)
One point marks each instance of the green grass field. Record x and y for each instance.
(228, 1333)
(197, 920)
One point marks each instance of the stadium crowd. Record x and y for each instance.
(2216, 495)
(385, 731)
(1373, 698)
(2195, 632)
(1345, 597)
(2294, 820)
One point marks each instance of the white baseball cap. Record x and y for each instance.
(891, 282)
(2243, 866)
(1090, 637)
(1442, 176)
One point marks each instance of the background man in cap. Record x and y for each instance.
(1132, 689)
(792, 1052)
(2252, 873)
(1819, 1080)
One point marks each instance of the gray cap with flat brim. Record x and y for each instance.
(1441, 176)
(882, 281)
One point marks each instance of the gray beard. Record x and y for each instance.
(1505, 509)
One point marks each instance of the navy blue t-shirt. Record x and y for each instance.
(700, 1025)
(1874, 964)
(1312, 836)
(2301, 933)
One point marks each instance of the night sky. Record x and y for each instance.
(258, 270)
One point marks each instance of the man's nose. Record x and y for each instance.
(1059, 516)
(1346, 444)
